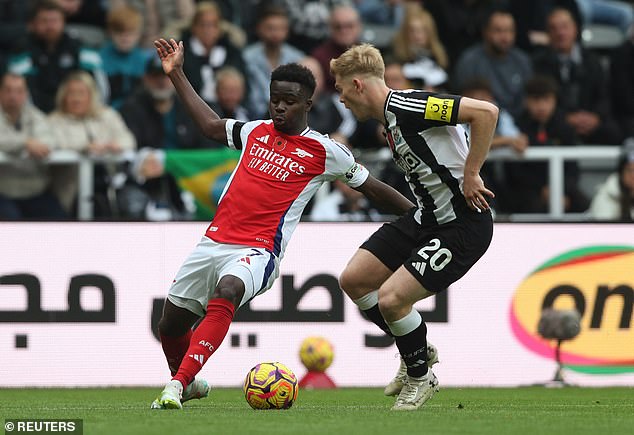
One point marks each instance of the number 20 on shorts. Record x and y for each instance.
(434, 255)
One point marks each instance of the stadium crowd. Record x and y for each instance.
(83, 76)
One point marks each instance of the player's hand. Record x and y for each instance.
(172, 54)
(475, 193)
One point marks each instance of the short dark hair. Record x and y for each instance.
(45, 5)
(541, 86)
(486, 16)
(296, 73)
(270, 10)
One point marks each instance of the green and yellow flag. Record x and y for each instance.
(204, 173)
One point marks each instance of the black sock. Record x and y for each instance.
(413, 349)
(374, 314)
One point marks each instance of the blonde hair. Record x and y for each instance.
(401, 45)
(228, 72)
(96, 105)
(204, 7)
(359, 59)
(124, 19)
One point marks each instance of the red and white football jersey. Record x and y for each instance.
(276, 176)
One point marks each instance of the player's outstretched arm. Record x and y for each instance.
(483, 118)
(172, 58)
(384, 197)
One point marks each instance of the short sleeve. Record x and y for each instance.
(356, 175)
(442, 109)
(345, 168)
(233, 129)
(417, 110)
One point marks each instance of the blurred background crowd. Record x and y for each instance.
(83, 76)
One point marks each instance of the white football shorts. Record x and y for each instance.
(210, 261)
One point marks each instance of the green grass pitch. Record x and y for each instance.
(490, 411)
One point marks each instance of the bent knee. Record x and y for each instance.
(355, 284)
(169, 326)
(349, 280)
(230, 288)
(391, 304)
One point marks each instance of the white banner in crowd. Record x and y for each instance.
(79, 301)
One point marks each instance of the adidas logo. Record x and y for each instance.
(199, 358)
(420, 266)
(264, 139)
(301, 153)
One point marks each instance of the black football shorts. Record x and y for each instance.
(438, 255)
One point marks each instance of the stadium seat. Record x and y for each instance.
(600, 36)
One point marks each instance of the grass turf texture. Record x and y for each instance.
(527, 410)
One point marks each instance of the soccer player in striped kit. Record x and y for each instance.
(437, 242)
(282, 164)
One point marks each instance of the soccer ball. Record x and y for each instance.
(316, 354)
(270, 385)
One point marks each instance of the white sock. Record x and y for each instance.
(407, 324)
(367, 301)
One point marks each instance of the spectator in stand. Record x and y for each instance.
(207, 49)
(416, 45)
(263, 56)
(231, 91)
(498, 60)
(82, 123)
(583, 95)
(459, 23)
(162, 18)
(622, 84)
(309, 21)
(25, 183)
(507, 135)
(155, 104)
(614, 200)
(124, 61)
(544, 125)
(530, 20)
(48, 55)
(328, 115)
(345, 31)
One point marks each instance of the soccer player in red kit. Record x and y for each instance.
(283, 163)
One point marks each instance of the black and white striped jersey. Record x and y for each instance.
(428, 145)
